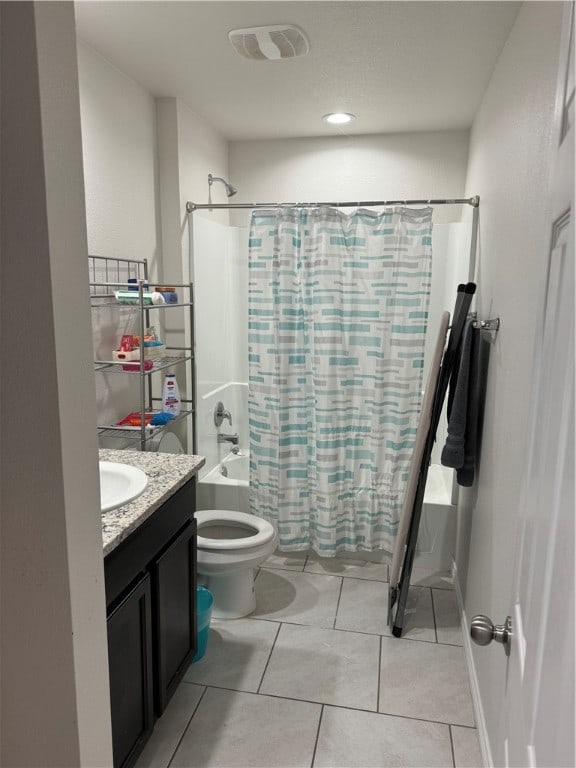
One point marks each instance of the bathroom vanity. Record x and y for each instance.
(150, 578)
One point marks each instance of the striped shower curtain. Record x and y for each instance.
(338, 308)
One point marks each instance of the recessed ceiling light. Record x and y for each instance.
(338, 118)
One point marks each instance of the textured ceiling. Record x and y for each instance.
(398, 66)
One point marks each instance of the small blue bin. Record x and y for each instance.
(204, 602)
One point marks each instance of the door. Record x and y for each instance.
(130, 665)
(539, 704)
(175, 601)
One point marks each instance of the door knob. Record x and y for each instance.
(483, 631)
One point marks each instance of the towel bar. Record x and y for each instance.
(488, 325)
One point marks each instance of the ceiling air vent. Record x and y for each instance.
(282, 41)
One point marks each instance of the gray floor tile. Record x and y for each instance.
(425, 680)
(324, 665)
(352, 567)
(299, 598)
(169, 728)
(431, 577)
(236, 654)
(233, 730)
(352, 739)
(467, 752)
(418, 621)
(448, 625)
(363, 606)
(289, 561)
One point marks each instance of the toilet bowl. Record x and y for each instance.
(230, 545)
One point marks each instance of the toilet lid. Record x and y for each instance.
(263, 530)
(169, 443)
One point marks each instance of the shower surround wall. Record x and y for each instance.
(221, 279)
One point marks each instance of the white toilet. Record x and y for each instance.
(230, 545)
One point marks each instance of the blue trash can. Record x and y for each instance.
(204, 602)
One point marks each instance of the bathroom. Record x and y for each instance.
(144, 153)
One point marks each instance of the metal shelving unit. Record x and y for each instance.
(110, 274)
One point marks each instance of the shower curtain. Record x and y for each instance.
(338, 308)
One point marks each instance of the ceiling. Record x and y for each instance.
(398, 66)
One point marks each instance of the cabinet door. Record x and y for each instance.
(130, 666)
(175, 597)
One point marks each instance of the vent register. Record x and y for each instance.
(281, 41)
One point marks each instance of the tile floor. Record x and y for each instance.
(314, 678)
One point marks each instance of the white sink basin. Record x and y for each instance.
(119, 484)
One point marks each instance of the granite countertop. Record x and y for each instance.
(167, 472)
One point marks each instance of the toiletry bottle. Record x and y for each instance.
(171, 397)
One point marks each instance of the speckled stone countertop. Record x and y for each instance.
(167, 472)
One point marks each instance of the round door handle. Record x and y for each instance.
(483, 631)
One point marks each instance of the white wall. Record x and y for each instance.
(144, 158)
(338, 168)
(202, 151)
(120, 166)
(55, 694)
(509, 168)
(122, 202)
(189, 149)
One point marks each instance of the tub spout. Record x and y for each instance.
(234, 439)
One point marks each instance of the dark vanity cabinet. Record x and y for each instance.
(151, 607)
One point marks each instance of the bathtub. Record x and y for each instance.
(226, 486)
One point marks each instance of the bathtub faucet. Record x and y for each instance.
(228, 439)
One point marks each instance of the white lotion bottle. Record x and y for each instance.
(171, 396)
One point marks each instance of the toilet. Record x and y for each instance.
(230, 545)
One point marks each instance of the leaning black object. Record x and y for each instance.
(398, 596)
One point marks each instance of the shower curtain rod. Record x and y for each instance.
(473, 201)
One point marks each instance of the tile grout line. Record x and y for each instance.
(379, 675)
(318, 573)
(338, 603)
(433, 613)
(317, 736)
(269, 657)
(452, 746)
(356, 632)
(280, 568)
(275, 567)
(187, 726)
(339, 706)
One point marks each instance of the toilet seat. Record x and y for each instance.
(264, 531)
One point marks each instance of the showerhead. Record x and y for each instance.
(230, 190)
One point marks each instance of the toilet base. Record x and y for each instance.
(233, 593)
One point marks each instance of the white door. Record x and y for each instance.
(539, 706)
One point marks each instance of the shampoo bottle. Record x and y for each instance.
(171, 397)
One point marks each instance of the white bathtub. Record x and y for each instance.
(226, 486)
